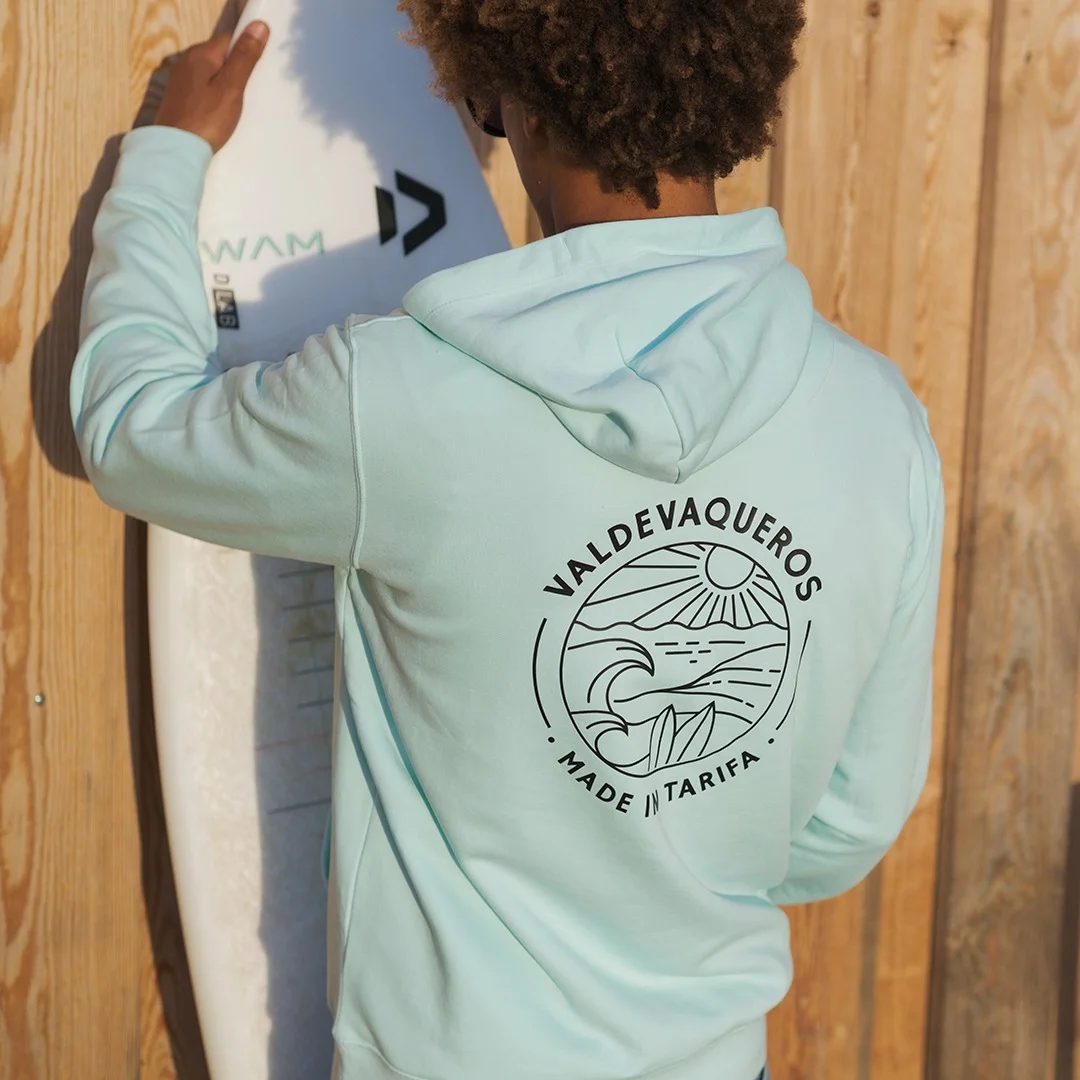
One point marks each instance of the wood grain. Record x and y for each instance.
(69, 899)
(1068, 1029)
(1076, 746)
(513, 205)
(877, 178)
(1072, 905)
(928, 329)
(819, 1031)
(994, 1007)
(746, 188)
(501, 175)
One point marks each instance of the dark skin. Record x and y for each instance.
(206, 93)
(566, 196)
(206, 87)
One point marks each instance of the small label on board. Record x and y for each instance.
(228, 318)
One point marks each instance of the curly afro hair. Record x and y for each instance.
(628, 88)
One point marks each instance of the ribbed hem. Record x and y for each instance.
(739, 1054)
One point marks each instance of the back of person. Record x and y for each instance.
(637, 575)
(600, 704)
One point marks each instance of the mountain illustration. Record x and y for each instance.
(675, 656)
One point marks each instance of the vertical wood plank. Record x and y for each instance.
(69, 889)
(746, 188)
(877, 179)
(819, 1030)
(815, 1033)
(513, 205)
(1068, 1064)
(994, 1007)
(501, 175)
(929, 329)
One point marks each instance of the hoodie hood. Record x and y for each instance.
(659, 344)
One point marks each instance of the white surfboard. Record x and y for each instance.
(346, 183)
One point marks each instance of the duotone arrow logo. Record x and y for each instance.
(412, 189)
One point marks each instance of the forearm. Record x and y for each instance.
(258, 457)
(145, 318)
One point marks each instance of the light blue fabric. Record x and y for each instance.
(638, 567)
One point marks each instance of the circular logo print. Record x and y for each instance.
(675, 656)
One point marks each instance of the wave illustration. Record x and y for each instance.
(644, 699)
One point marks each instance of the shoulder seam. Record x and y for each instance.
(357, 454)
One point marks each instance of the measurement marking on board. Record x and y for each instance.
(312, 637)
(318, 736)
(304, 571)
(314, 670)
(308, 604)
(299, 806)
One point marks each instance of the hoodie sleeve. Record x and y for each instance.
(885, 757)
(260, 457)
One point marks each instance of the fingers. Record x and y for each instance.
(206, 88)
(249, 47)
(211, 54)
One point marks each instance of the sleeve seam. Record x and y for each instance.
(358, 458)
(921, 544)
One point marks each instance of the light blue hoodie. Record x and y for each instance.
(637, 581)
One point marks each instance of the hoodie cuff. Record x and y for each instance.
(166, 159)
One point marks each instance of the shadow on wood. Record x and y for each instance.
(51, 365)
(1065, 1062)
(158, 886)
(55, 348)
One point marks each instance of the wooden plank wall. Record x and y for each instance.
(999, 961)
(928, 175)
(886, 115)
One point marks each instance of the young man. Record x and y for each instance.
(637, 556)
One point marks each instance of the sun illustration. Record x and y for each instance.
(675, 656)
(693, 585)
